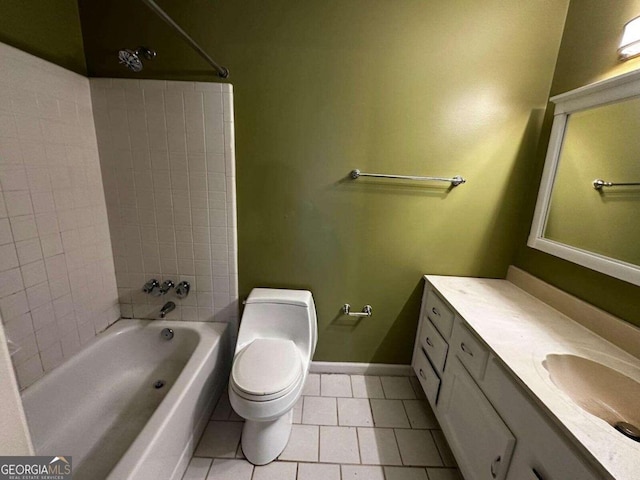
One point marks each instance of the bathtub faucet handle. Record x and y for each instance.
(166, 286)
(150, 286)
(182, 290)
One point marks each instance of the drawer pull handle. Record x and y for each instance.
(428, 340)
(422, 374)
(466, 349)
(435, 311)
(494, 466)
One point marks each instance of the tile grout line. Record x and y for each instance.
(358, 442)
(208, 470)
(398, 445)
(319, 440)
(404, 409)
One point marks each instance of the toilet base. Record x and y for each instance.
(262, 442)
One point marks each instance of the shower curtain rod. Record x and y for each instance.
(222, 71)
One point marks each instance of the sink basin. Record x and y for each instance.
(598, 389)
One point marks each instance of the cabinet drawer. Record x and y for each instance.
(427, 376)
(439, 314)
(471, 351)
(434, 345)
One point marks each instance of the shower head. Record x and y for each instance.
(132, 58)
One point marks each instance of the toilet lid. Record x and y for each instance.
(267, 366)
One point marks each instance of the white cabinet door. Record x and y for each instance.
(478, 437)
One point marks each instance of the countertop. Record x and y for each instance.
(521, 330)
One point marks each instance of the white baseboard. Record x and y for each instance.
(351, 368)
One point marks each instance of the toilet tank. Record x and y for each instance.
(280, 313)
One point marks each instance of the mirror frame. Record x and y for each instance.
(612, 90)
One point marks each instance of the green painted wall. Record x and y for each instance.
(49, 29)
(322, 87)
(587, 54)
(326, 86)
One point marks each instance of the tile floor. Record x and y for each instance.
(346, 427)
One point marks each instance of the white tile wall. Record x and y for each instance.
(168, 164)
(57, 279)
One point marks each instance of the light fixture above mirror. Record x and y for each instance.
(630, 43)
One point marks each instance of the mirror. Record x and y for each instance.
(588, 208)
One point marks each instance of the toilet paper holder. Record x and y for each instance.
(367, 311)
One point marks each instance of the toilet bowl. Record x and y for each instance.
(277, 339)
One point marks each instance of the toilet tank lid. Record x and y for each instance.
(280, 295)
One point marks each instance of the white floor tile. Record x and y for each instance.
(444, 474)
(339, 445)
(366, 386)
(220, 440)
(335, 385)
(318, 471)
(312, 385)
(405, 473)
(420, 414)
(276, 471)
(443, 448)
(354, 412)
(393, 436)
(361, 472)
(303, 444)
(417, 448)
(397, 388)
(297, 411)
(223, 469)
(389, 413)
(378, 446)
(319, 411)
(197, 469)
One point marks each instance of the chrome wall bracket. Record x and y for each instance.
(367, 311)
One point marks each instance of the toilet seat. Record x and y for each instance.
(268, 368)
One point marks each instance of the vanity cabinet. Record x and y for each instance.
(542, 451)
(495, 429)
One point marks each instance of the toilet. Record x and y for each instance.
(277, 339)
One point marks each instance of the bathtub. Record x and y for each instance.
(102, 406)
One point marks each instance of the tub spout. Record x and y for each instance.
(166, 308)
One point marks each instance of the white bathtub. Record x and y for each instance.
(102, 408)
